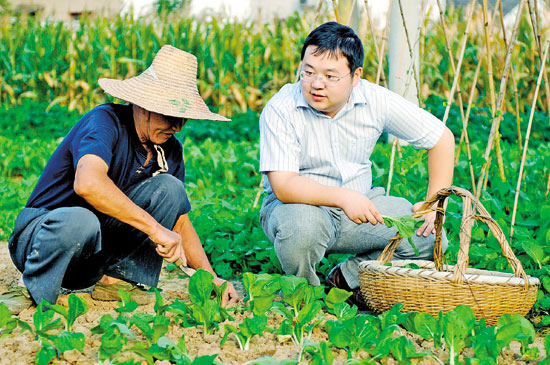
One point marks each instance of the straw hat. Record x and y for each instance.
(168, 87)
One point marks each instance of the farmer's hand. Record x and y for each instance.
(429, 221)
(230, 296)
(360, 209)
(168, 243)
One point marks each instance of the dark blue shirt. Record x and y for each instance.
(107, 131)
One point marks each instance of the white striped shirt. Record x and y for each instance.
(335, 151)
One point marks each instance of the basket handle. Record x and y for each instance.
(470, 203)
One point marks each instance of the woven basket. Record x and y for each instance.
(437, 287)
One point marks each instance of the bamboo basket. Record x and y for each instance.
(435, 287)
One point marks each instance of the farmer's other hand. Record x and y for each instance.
(230, 296)
(429, 221)
(360, 209)
(168, 243)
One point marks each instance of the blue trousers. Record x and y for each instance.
(72, 247)
(303, 234)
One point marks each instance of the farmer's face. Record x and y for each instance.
(327, 97)
(162, 127)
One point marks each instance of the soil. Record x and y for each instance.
(21, 348)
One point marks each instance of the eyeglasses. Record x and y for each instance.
(309, 76)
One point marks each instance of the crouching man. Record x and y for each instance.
(111, 202)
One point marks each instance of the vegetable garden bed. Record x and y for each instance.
(316, 332)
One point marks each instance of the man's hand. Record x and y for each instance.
(230, 296)
(168, 243)
(359, 208)
(429, 221)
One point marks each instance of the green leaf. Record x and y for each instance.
(66, 341)
(201, 286)
(535, 251)
(45, 354)
(424, 325)
(457, 326)
(515, 328)
(77, 307)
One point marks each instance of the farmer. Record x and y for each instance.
(111, 203)
(316, 137)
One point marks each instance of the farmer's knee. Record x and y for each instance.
(72, 226)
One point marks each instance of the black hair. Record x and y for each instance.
(336, 39)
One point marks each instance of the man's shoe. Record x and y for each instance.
(335, 279)
(17, 299)
(109, 292)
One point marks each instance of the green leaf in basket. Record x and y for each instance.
(405, 225)
(535, 251)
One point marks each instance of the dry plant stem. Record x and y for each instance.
(456, 71)
(380, 72)
(496, 119)
(547, 186)
(514, 82)
(379, 56)
(317, 12)
(410, 53)
(351, 10)
(489, 55)
(537, 33)
(527, 134)
(335, 6)
(392, 159)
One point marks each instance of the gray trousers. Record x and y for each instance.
(303, 234)
(72, 247)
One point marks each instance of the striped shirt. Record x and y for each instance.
(336, 151)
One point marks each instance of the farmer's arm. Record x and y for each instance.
(93, 184)
(440, 174)
(289, 187)
(197, 259)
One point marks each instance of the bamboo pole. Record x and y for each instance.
(527, 134)
(496, 118)
(351, 12)
(489, 60)
(396, 140)
(470, 99)
(512, 75)
(537, 33)
(410, 53)
(318, 11)
(455, 85)
(380, 71)
(335, 6)
(379, 56)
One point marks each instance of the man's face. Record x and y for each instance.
(162, 127)
(321, 95)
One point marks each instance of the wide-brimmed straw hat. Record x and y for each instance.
(168, 87)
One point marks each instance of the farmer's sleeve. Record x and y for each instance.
(279, 147)
(97, 135)
(409, 122)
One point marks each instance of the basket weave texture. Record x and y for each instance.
(435, 287)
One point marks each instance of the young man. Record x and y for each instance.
(316, 137)
(111, 203)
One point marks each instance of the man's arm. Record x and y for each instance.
(197, 259)
(440, 175)
(93, 184)
(289, 187)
